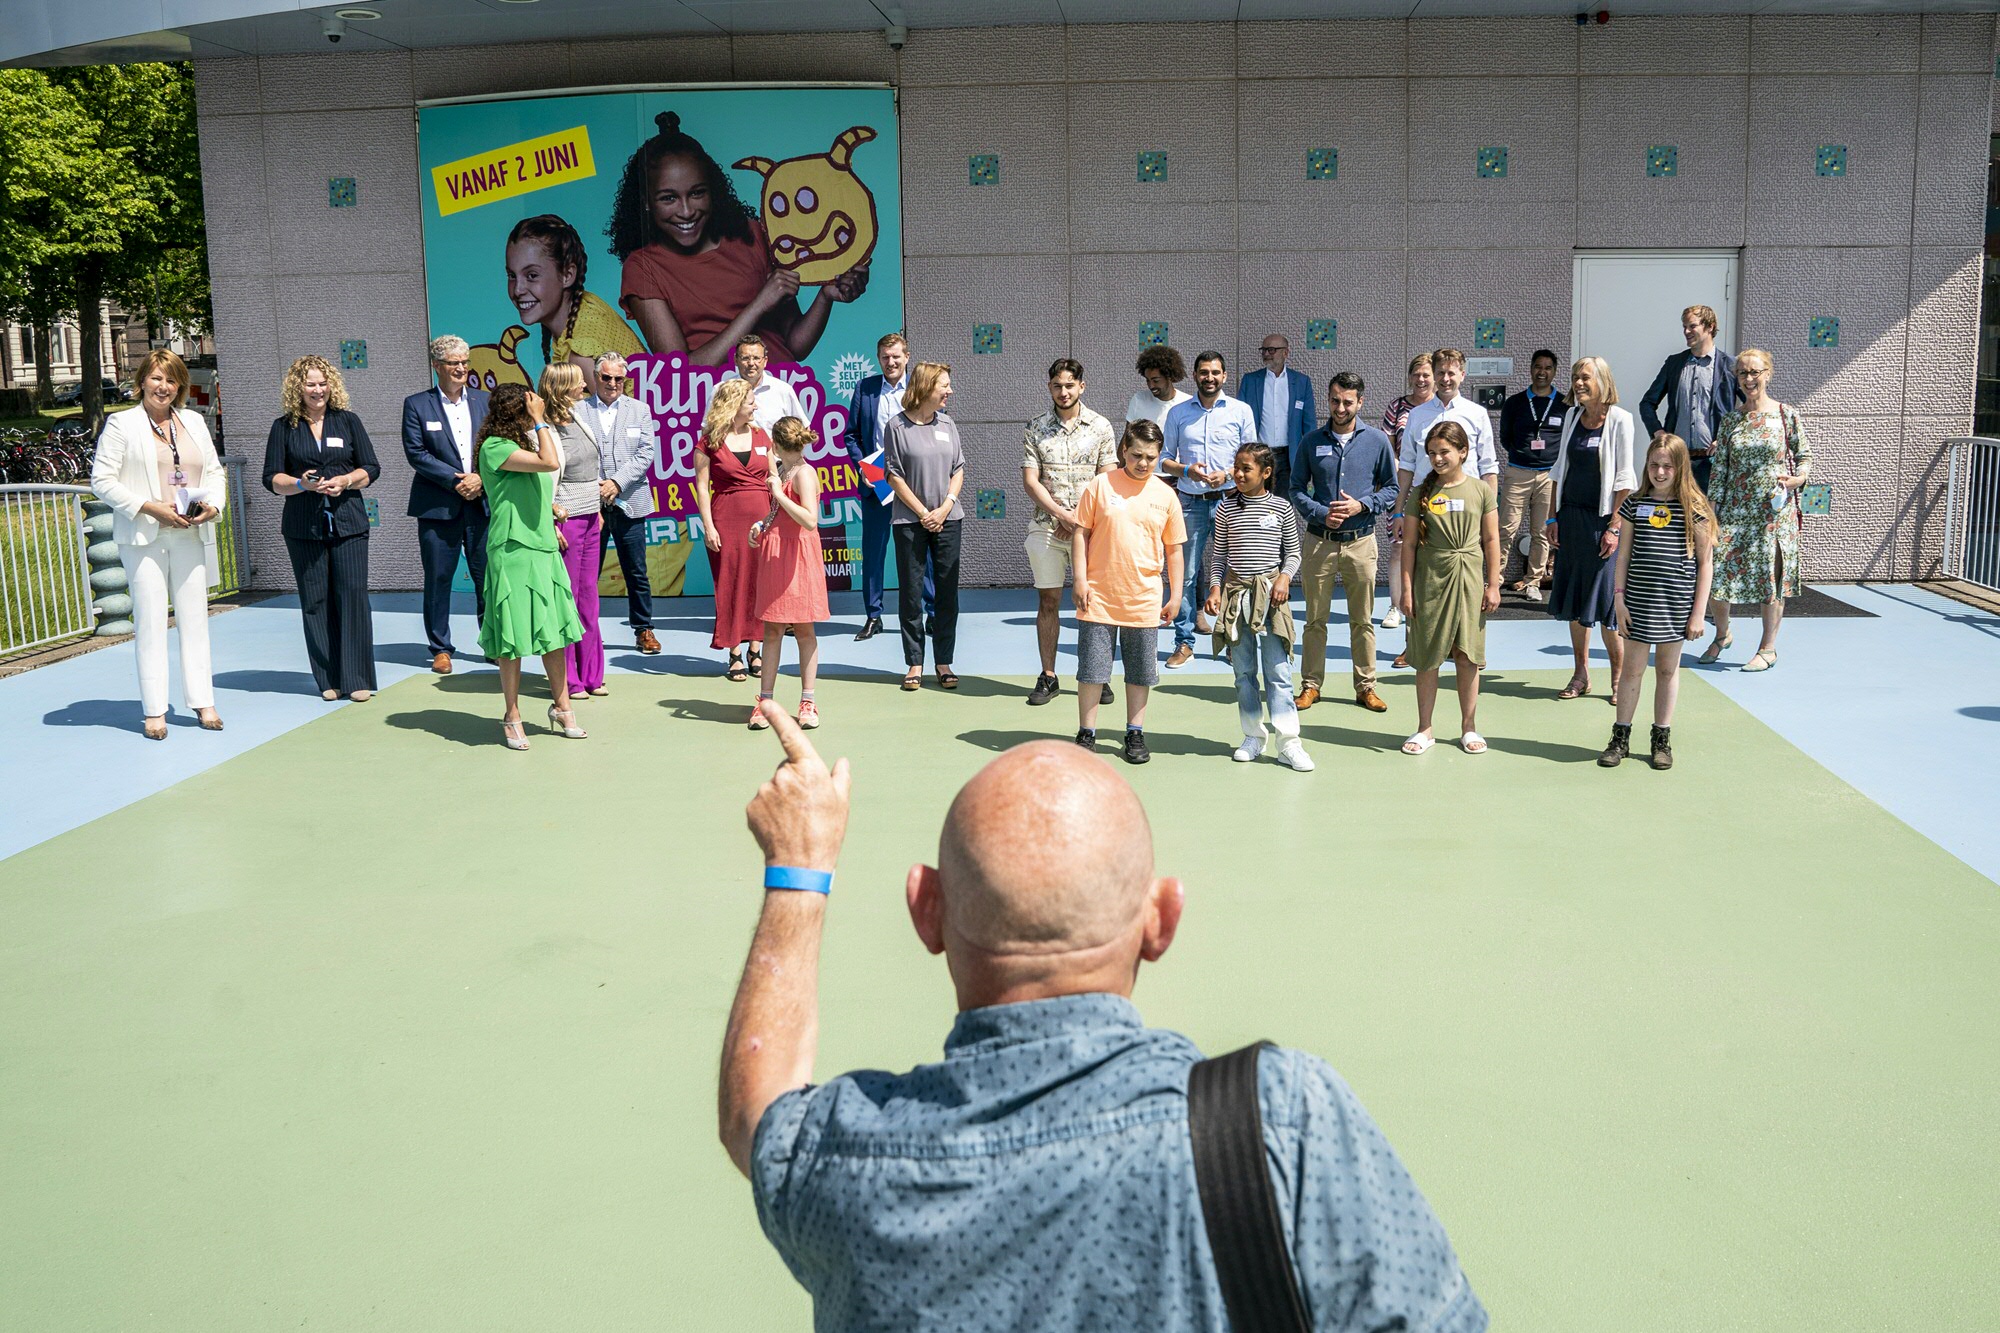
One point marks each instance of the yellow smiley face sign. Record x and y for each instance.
(818, 215)
(1661, 516)
(1437, 504)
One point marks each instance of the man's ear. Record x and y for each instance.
(1163, 918)
(920, 891)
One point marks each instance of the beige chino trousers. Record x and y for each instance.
(1353, 564)
(1530, 495)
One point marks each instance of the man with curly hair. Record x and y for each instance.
(1163, 370)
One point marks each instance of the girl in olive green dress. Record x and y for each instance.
(1450, 580)
(530, 611)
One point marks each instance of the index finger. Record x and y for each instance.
(798, 750)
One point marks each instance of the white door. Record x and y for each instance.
(1628, 307)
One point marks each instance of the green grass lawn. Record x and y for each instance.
(381, 1026)
(39, 596)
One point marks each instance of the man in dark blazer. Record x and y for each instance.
(1698, 388)
(441, 439)
(877, 399)
(1281, 401)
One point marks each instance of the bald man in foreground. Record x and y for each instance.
(1040, 1176)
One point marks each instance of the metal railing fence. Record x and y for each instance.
(1972, 512)
(45, 591)
(232, 536)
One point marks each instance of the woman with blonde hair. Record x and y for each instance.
(926, 467)
(319, 458)
(732, 488)
(1762, 458)
(579, 522)
(158, 470)
(1595, 469)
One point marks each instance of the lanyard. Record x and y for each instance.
(173, 447)
(1542, 421)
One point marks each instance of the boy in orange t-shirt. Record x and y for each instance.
(1128, 530)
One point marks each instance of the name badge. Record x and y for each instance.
(335, 442)
(632, 430)
(1267, 521)
(1644, 511)
(1299, 403)
(1537, 443)
(1323, 451)
(433, 425)
(943, 435)
(1592, 441)
(1454, 506)
(1114, 501)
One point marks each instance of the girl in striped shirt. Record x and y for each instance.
(1251, 560)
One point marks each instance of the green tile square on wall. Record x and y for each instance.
(1816, 499)
(354, 354)
(1488, 334)
(992, 503)
(1663, 160)
(1322, 335)
(341, 192)
(1831, 160)
(1322, 164)
(985, 339)
(1153, 333)
(983, 168)
(1492, 163)
(1152, 168)
(1825, 331)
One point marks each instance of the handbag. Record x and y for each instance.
(1239, 1204)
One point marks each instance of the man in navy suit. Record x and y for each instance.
(1698, 387)
(1281, 400)
(441, 439)
(877, 400)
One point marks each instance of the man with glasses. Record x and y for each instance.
(771, 399)
(441, 439)
(627, 440)
(1281, 403)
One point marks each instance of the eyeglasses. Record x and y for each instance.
(1271, 351)
(610, 379)
(455, 365)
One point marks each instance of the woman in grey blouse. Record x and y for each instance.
(926, 467)
(579, 522)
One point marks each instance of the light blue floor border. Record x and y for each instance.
(1904, 706)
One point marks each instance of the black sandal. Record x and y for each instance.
(736, 671)
(947, 680)
(756, 661)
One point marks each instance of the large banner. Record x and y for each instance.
(663, 226)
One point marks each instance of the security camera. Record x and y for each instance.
(333, 29)
(896, 34)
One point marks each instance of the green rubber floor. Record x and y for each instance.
(383, 1027)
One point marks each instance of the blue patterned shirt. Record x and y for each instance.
(1040, 1177)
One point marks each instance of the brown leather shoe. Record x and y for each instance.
(1307, 697)
(442, 664)
(648, 644)
(1370, 700)
(1181, 656)
(1402, 662)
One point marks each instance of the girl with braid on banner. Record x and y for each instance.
(545, 270)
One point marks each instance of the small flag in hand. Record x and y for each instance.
(874, 474)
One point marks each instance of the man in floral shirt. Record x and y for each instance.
(1061, 450)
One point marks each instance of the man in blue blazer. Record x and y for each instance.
(877, 399)
(441, 439)
(1698, 387)
(1281, 400)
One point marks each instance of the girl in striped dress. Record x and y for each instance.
(1251, 560)
(1661, 588)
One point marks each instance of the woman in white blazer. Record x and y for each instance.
(1595, 470)
(146, 458)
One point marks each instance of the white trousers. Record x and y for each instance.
(173, 568)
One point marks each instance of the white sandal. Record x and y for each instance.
(1418, 743)
(1472, 743)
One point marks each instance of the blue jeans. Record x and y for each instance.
(1276, 657)
(1198, 512)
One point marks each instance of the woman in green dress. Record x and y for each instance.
(1762, 458)
(1451, 579)
(530, 611)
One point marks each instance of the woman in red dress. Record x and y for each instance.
(732, 478)
(791, 572)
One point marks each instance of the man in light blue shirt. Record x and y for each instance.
(1040, 1176)
(1202, 437)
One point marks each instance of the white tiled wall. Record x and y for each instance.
(1405, 250)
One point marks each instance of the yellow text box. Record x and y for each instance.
(518, 169)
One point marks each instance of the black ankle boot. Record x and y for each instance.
(1621, 745)
(1663, 748)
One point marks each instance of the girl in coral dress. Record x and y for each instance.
(791, 574)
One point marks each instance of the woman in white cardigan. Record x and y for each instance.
(1595, 470)
(146, 459)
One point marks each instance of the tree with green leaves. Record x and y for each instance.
(100, 195)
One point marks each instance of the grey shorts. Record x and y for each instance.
(1140, 648)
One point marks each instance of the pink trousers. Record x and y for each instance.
(584, 560)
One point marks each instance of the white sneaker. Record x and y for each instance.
(1393, 619)
(1532, 593)
(1252, 747)
(1293, 754)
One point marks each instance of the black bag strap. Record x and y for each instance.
(1239, 1205)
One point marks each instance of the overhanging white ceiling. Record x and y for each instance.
(69, 32)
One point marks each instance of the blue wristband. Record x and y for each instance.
(798, 877)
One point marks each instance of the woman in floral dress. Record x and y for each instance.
(1761, 460)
